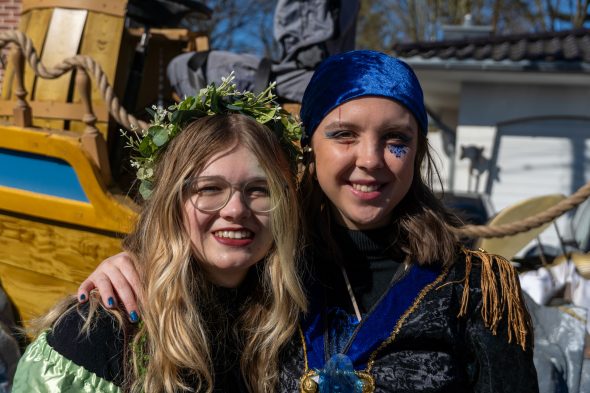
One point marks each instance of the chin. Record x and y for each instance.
(366, 221)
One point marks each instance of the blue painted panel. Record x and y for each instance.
(40, 174)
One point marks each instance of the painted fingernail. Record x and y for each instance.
(111, 301)
(82, 297)
(133, 316)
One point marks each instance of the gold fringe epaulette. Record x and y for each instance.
(501, 295)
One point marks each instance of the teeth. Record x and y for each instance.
(234, 234)
(365, 188)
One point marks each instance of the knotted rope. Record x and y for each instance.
(91, 67)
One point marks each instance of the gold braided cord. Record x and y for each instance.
(405, 316)
(302, 336)
(91, 67)
(528, 223)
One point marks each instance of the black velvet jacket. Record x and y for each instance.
(437, 351)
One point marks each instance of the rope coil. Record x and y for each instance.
(89, 65)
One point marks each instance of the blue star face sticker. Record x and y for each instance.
(398, 150)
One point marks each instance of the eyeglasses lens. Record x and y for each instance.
(212, 194)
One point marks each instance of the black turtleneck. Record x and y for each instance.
(370, 260)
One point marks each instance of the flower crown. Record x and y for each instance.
(212, 100)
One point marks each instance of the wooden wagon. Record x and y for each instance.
(61, 213)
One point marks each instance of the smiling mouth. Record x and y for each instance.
(239, 234)
(366, 187)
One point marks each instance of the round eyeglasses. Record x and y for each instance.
(210, 194)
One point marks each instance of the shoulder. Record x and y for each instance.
(42, 368)
(490, 291)
(99, 349)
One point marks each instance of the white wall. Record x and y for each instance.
(539, 156)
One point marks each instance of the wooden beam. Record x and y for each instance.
(111, 7)
(56, 110)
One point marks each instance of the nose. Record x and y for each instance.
(370, 154)
(236, 208)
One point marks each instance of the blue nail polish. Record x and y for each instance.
(111, 301)
(82, 297)
(134, 317)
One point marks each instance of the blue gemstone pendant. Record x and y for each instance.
(338, 376)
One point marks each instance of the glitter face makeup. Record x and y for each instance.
(399, 151)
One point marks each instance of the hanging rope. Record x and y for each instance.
(530, 222)
(93, 69)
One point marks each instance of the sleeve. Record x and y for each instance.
(496, 365)
(498, 328)
(44, 370)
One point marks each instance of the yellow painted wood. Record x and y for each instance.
(508, 246)
(7, 80)
(33, 294)
(42, 262)
(105, 210)
(101, 41)
(62, 41)
(57, 110)
(36, 31)
(49, 248)
(111, 7)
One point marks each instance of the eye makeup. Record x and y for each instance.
(399, 151)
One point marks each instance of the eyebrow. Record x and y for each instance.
(217, 177)
(337, 125)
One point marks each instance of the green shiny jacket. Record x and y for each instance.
(43, 370)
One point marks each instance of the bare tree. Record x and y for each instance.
(382, 22)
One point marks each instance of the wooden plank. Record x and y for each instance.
(36, 30)
(62, 41)
(110, 7)
(101, 41)
(7, 80)
(57, 110)
(51, 249)
(33, 294)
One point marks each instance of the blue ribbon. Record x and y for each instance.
(375, 328)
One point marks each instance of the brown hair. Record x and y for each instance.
(174, 334)
(421, 227)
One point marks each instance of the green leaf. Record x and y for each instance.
(151, 112)
(145, 189)
(146, 147)
(161, 137)
(233, 107)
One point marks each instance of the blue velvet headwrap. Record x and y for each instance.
(345, 76)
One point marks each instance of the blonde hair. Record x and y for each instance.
(421, 226)
(174, 335)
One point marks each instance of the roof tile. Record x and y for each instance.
(569, 45)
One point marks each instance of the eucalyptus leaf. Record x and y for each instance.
(161, 137)
(145, 189)
(146, 147)
(151, 112)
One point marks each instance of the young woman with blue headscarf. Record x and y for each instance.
(396, 303)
